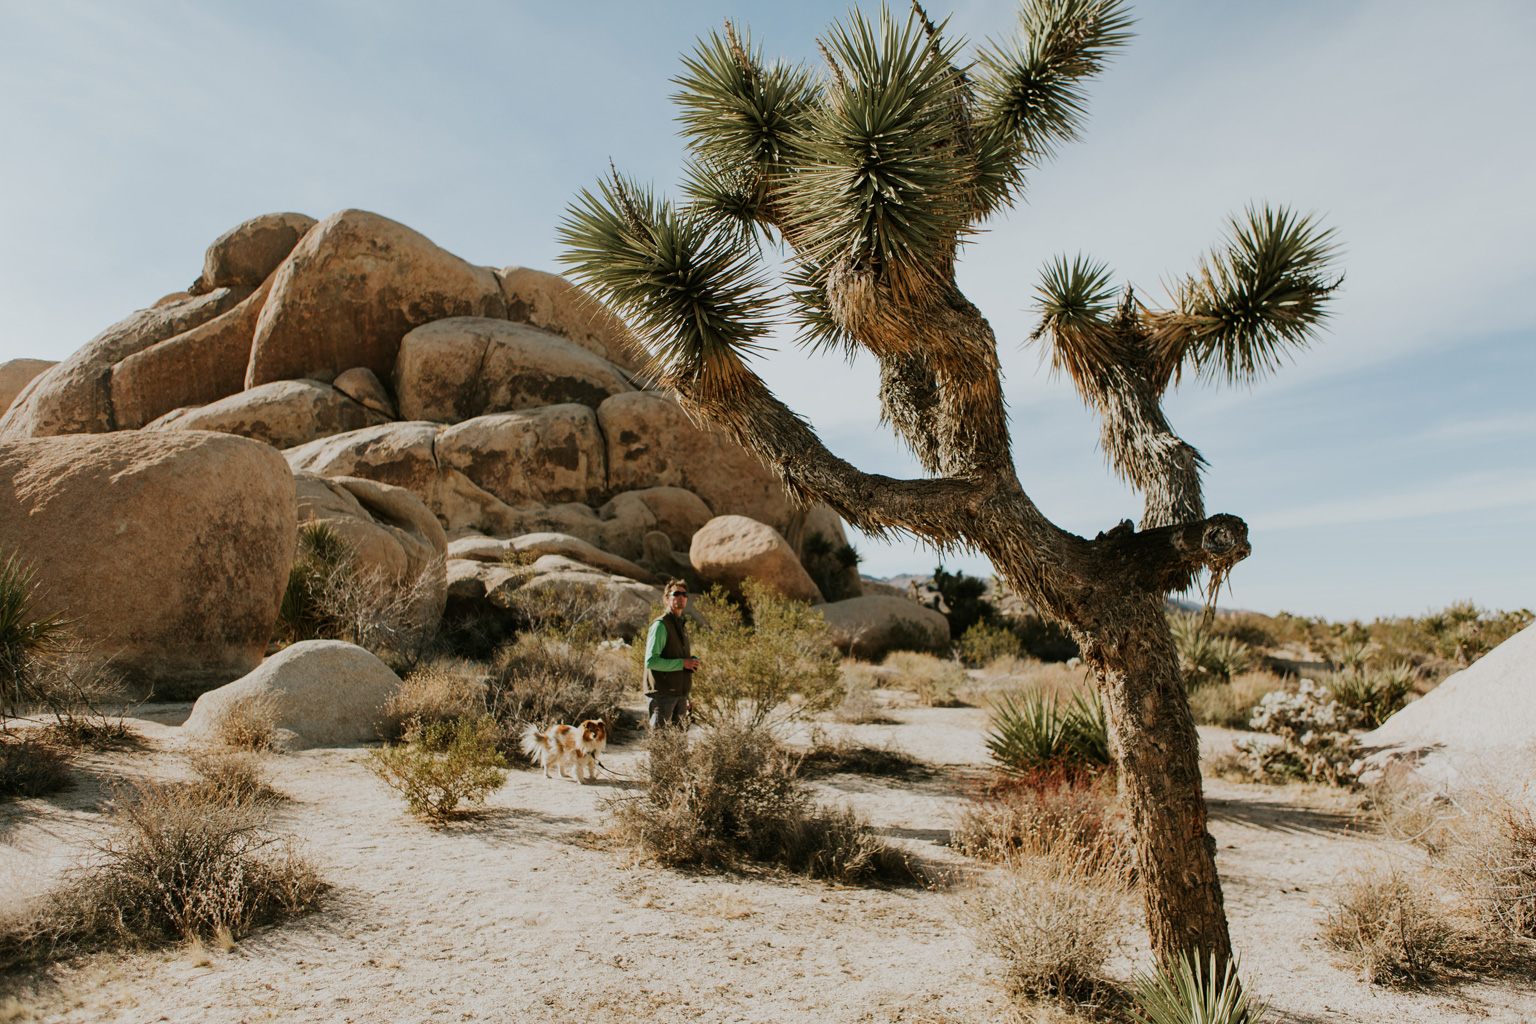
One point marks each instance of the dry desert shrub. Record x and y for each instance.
(172, 866)
(249, 722)
(435, 691)
(933, 679)
(1060, 811)
(1491, 859)
(732, 794)
(1052, 921)
(1393, 929)
(832, 757)
(858, 706)
(1008, 674)
(547, 678)
(30, 766)
(443, 765)
(85, 696)
(231, 778)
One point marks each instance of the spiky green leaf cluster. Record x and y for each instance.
(1253, 299)
(882, 188)
(1030, 91)
(1191, 993)
(26, 635)
(743, 120)
(1076, 301)
(690, 288)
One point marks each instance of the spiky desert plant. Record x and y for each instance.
(27, 634)
(1031, 730)
(869, 175)
(1189, 992)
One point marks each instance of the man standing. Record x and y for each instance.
(669, 666)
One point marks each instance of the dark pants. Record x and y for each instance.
(665, 709)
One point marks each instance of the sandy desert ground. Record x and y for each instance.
(528, 913)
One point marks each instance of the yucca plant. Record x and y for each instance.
(867, 175)
(1206, 657)
(1029, 731)
(1376, 693)
(1184, 992)
(27, 635)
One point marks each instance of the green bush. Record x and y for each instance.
(834, 568)
(731, 794)
(1206, 656)
(1187, 993)
(1375, 693)
(1030, 731)
(443, 765)
(27, 637)
(986, 641)
(781, 666)
(1044, 638)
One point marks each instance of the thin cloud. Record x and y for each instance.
(1456, 495)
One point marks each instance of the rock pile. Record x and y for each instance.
(432, 411)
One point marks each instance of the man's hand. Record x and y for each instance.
(691, 664)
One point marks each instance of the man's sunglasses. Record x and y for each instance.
(678, 593)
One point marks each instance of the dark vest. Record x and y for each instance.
(672, 684)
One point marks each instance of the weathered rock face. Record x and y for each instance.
(170, 551)
(327, 693)
(550, 455)
(392, 453)
(455, 369)
(869, 627)
(730, 550)
(75, 397)
(651, 442)
(284, 414)
(616, 607)
(16, 374)
(351, 289)
(554, 304)
(247, 253)
(194, 368)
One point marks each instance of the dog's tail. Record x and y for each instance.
(534, 742)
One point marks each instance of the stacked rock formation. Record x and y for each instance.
(422, 402)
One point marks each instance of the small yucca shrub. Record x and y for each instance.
(444, 764)
(1375, 693)
(1189, 993)
(1030, 730)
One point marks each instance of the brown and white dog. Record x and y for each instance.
(564, 746)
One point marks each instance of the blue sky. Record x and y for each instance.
(1390, 469)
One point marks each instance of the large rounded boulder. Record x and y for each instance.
(729, 550)
(168, 551)
(351, 289)
(284, 414)
(551, 302)
(322, 693)
(248, 252)
(16, 374)
(455, 369)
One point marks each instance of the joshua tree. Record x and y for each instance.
(867, 176)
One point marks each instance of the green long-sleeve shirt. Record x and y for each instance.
(655, 641)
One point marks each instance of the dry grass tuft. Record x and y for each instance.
(1051, 920)
(231, 778)
(172, 866)
(249, 722)
(436, 691)
(732, 795)
(1231, 704)
(1060, 810)
(32, 767)
(934, 680)
(1394, 930)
